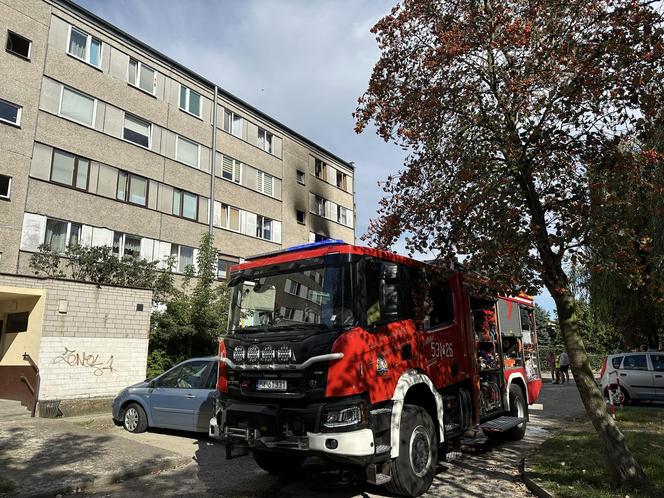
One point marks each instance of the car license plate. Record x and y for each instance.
(270, 385)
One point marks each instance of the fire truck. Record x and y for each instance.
(369, 358)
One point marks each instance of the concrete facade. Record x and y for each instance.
(88, 341)
(84, 90)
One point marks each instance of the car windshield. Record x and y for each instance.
(307, 297)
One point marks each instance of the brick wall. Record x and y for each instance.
(94, 340)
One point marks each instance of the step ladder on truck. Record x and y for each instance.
(366, 357)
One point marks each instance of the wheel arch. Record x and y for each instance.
(138, 401)
(517, 379)
(417, 389)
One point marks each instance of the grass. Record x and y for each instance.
(573, 464)
(6, 485)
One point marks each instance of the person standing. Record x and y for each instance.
(557, 367)
(564, 367)
(551, 363)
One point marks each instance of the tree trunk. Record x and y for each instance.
(627, 472)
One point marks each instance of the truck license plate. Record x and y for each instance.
(270, 385)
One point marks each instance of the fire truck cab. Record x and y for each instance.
(366, 357)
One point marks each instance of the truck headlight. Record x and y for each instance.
(345, 417)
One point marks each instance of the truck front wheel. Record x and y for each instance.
(278, 463)
(518, 408)
(414, 469)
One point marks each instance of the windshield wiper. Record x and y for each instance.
(252, 328)
(296, 326)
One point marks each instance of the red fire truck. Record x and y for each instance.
(366, 357)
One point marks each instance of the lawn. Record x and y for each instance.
(572, 464)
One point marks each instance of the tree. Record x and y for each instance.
(193, 319)
(505, 106)
(542, 320)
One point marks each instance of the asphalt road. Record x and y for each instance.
(494, 473)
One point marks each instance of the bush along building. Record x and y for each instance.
(105, 141)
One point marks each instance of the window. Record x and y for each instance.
(69, 169)
(187, 152)
(132, 188)
(185, 204)
(319, 205)
(18, 45)
(188, 376)
(83, 46)
(126, 245)
(190, 101)
(5, 186)
(263, 228)
(223, 267)
(231, 169)
(77, 106)
(10, 113)
(137, 130)
(61, 234)
(184, 257)
(265, 140)
(319, 169)
(385, 299)
(300, 177)
(657, 362)
(635, 362)
(300, 216)
(342, 215)
(318, 237)
(17, 322)
(616, 361)
(141, 76)
(342, 180)
(264, 183)
(233, 123)
(226, 216)
(441, 311)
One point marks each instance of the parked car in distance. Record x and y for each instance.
(640, 374)
(180, 398)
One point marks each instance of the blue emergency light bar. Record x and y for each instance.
(301, 247)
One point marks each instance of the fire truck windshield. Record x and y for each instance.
(290, 298)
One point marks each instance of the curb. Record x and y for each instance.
(143, 469)
(532, 486)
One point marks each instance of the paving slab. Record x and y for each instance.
(45, 457)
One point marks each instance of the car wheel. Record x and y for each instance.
(278, 463)
(135, 420)
(414, 469)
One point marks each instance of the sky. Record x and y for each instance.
(303, 62)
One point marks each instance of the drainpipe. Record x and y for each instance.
(213, 159)
(354, 206)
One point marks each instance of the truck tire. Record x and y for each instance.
(414, 469)
(134, 419)
(278, 463)
(518, 408)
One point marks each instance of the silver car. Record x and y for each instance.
(180, 398)
(633, 376)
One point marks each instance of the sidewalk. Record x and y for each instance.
(45, 457)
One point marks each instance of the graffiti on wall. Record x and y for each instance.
(74, 358)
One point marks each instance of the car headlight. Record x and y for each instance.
(345, 417)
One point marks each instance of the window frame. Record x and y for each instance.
(19, 114)
(645, 357)
(320, 173)
(9, 34)
(297, 216)
(67, 232)
(124, 119)
(88, 46)
(85, 95)
(136, 84)
(122, 246)
(74, 172)
(7, 197)
(187, 101)
(180, 193)
(299, 173)
(179, 257)
(234, 163)
(198, 154)
(229, 262)
(260, 185)
(231, 120)
(261, 221)
(267, 143)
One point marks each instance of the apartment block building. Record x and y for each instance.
(105, 141)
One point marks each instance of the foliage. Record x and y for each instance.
(586, 473)
(193, 319)
(99, 265)
(542, 325)
(508, 108)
